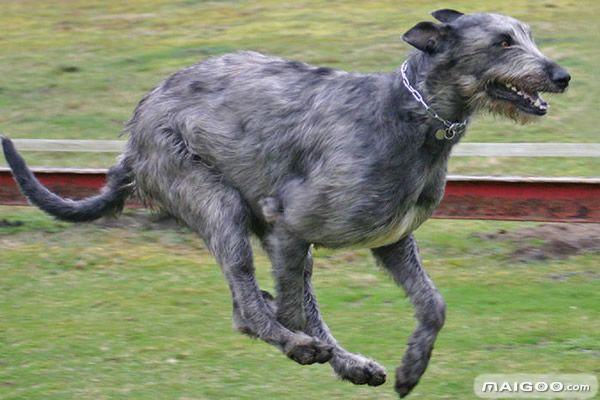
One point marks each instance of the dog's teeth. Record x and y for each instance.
(520, 93)
(514, 89)
(537, 103)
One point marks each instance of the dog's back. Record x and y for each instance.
(263, 124)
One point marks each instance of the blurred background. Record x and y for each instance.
(137, 308)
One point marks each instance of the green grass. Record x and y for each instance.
(141, 313)
(138, 313)
(76, 69)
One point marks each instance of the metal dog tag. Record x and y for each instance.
(440, 134)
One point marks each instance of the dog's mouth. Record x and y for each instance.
(526, 101)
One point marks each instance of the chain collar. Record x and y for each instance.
(451, 129)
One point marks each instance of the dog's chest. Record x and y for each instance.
(408, 214)
(398, 228)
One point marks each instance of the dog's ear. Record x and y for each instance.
(446, 15)
(425, 36)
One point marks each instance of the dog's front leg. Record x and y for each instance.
(296, 306)
(352, 367)
(402, 261)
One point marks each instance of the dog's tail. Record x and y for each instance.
(110, 200)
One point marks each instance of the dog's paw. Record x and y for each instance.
(404, 383)
(358, 369)
(308, 350)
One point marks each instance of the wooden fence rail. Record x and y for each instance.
(461, 150)
(467, 197)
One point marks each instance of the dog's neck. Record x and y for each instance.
(437, 90)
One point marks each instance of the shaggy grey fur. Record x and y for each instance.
(298, 155)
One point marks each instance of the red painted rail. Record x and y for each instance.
(521, 199)
(497, 198)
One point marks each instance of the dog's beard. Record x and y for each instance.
(479, 101)
(482, 102)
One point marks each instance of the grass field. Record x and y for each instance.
(141, 311)
(76, 69)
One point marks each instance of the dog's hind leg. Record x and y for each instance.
(402, 261)
(288, 258)
(219, 214)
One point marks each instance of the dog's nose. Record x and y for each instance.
(560, 77)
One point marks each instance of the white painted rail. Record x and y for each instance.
(461, 150)
(527, 150)
(77, 146)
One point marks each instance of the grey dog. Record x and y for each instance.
(299, 155)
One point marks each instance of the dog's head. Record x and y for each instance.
(491, 61)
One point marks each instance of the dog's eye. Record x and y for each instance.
(506, 41)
